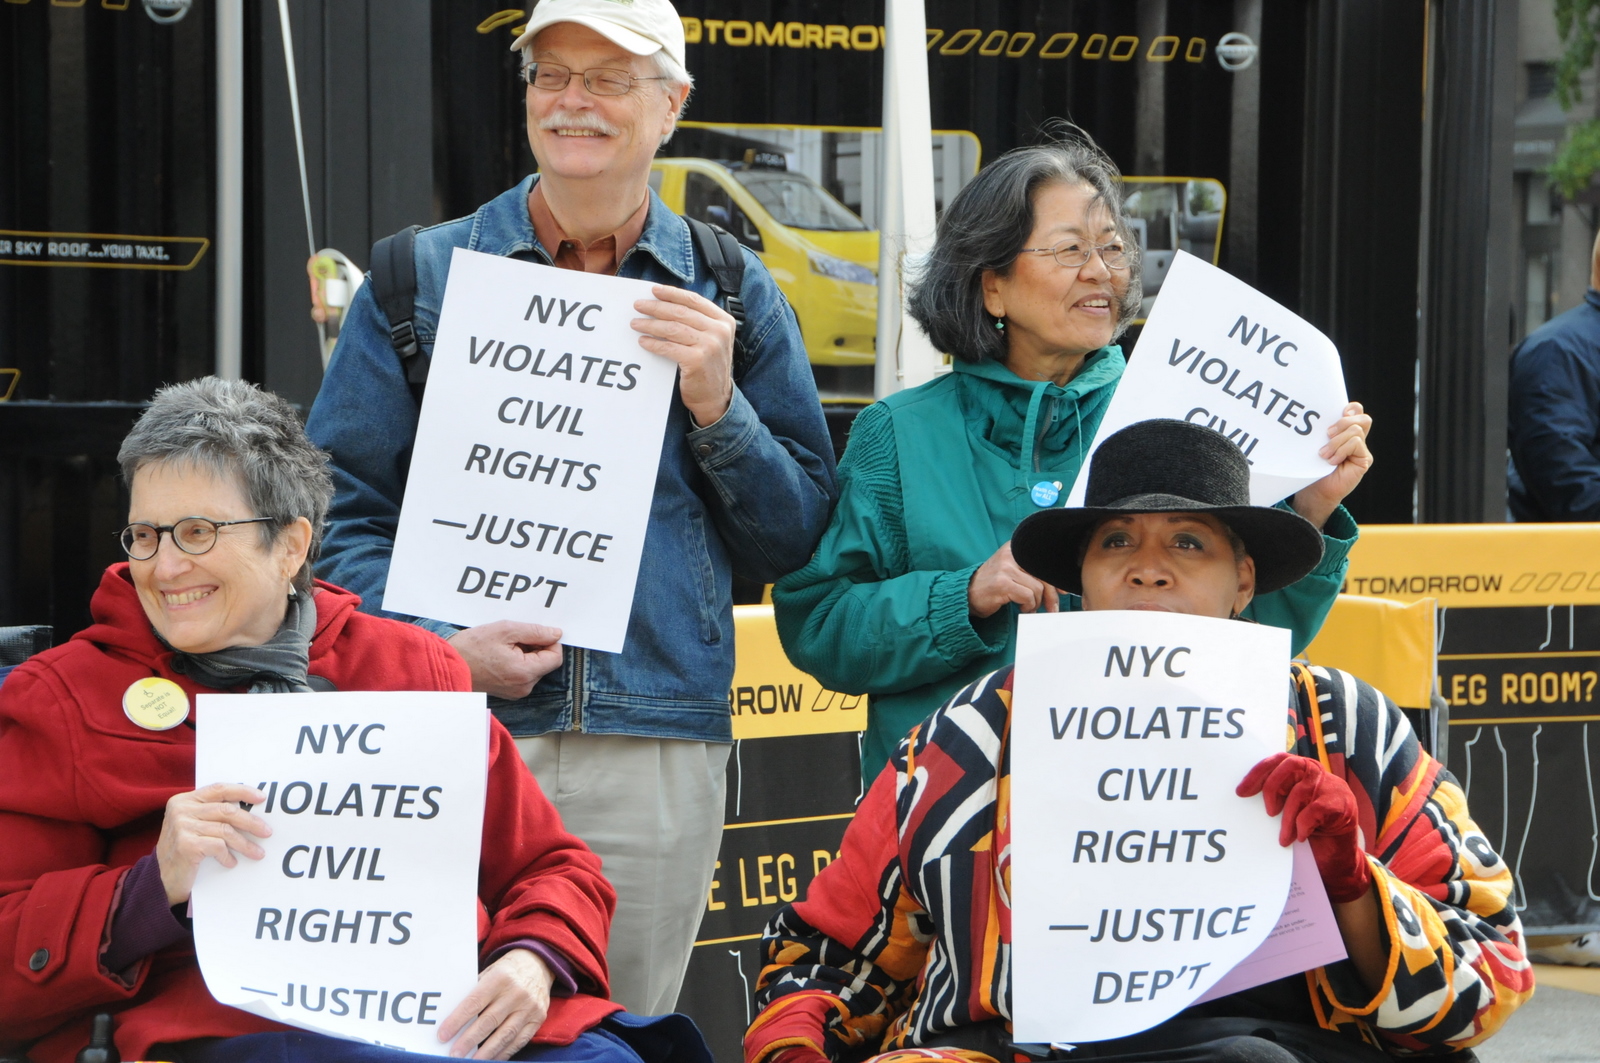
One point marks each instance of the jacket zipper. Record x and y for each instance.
(580, 672)
(1044, 430)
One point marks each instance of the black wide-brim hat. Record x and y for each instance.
(1168, 466)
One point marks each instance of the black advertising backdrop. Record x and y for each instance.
(107, 126)
(1523, 686)
(107, 163)
(1000, 70)
(789, 800)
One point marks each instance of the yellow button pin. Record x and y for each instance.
(156, 704)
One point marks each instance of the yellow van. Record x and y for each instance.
(823, 257)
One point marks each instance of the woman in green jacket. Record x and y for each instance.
(912, 592)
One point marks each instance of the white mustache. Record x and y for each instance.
(586, 120)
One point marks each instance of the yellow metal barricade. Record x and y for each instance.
(1393, 646)
(771, 698)
(1389, 644)
(1479, 565)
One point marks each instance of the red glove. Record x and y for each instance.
(1318, 807)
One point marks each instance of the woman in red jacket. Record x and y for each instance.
(101, 834)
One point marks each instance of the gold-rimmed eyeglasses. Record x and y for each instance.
(1075, 254)
(602, 81)
(192, 535)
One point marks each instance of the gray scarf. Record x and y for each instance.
(277, 666)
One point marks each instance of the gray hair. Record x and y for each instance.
(244, 434)
(672, 71)
(674, 77)
(987, 225)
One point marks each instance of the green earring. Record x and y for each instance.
(1000, 323)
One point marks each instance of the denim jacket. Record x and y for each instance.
(752, 492)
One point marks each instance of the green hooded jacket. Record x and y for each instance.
(882, 607)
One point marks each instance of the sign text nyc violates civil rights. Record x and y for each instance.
(361, 920)
(536, 454)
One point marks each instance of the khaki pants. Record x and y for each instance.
(652, 810)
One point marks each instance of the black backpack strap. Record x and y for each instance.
(394, 285)
(726, 262)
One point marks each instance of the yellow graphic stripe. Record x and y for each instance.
(724, 941)
(784, 822)
(1522, 719)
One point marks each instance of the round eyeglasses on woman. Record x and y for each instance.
(192, 535)
(1075, 254)
(599, 80)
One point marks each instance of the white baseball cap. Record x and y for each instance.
(643, 27)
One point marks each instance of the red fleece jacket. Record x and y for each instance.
(83, 790)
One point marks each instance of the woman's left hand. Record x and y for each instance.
(1347, 452)
(503, 1011)
(1319, 807)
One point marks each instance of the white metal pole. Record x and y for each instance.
(229, 248)
(294, 113)
(906, 219)
(886, 369)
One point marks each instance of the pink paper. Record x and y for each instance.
(1306, 936)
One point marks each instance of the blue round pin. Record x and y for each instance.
(1045, 493)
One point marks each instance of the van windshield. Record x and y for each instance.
(798, 202)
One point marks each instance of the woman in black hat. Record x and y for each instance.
(902, 944)
(1167, 495)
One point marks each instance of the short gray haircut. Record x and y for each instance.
(675, 77)
(987, 225)
(244, 434)
(672, 71)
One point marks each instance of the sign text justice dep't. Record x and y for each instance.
(536, 453)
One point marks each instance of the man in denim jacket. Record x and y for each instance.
(631, 747)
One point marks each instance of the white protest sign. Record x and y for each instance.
(1218, 353)
(536, 454)
(362, 920)
(1139, 878)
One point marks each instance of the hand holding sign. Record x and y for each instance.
(697, 334)
(1318, 807)
(1000, 581)
(1347, 452)
(1216, 352)
(508, 657)
(504, 1010)
(207, 822)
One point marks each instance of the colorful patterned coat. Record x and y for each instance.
(904, 941)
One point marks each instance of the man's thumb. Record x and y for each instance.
(524, 634)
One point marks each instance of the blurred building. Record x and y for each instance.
(1554, 237)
